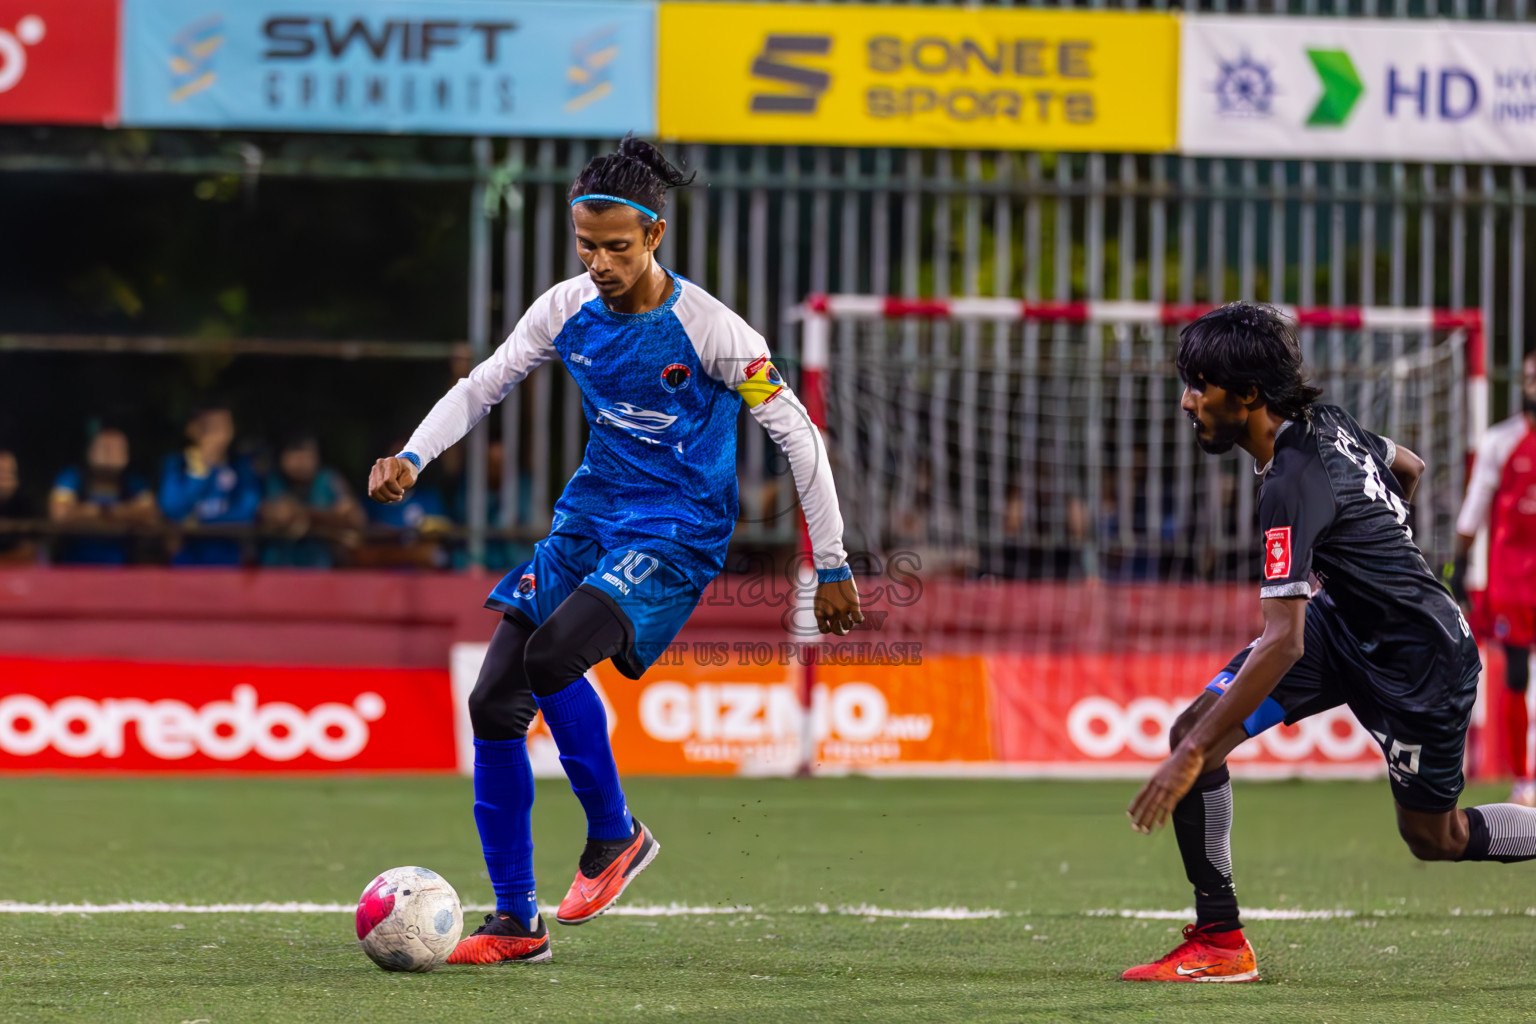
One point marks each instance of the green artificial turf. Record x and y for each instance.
(1429, 942)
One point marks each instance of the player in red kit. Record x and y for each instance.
(1501, 496)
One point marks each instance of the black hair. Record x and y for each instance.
(1246, 345)
(98, 425)
(301, 437)
(637, 172)
(210, 403)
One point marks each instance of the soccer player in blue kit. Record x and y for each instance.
(639, 531)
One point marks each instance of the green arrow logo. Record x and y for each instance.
(1342, 88)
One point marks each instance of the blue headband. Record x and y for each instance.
(615, 199)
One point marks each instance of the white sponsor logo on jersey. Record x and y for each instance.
(630, 417)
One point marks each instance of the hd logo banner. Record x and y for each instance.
(918, 76)
(1373, 90)
(574, 67)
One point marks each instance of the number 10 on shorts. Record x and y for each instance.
(636, 567)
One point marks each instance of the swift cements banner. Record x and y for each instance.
(1346, 89)
(918, 76)
(576, 67)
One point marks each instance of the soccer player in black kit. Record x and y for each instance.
(1382, 635)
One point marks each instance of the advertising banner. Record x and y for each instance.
(867, 75)
(482, 67)
(1077, 714)
(715, 710)
(1375, 90)
(140, 717)
(724, 709)
(58, 61)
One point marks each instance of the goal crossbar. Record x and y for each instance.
(818, 310)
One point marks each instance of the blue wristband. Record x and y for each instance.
(837, 575)
(412, 458)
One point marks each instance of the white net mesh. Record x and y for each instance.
(1056, 453)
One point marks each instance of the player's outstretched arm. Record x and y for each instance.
(1277, 650)
(466, 403)
(737, 356)
(836, 604)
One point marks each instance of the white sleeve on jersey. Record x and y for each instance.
(1487, 469)
(531, 343)
(733, 353)
(790, 426)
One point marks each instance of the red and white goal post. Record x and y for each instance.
(1026, 506)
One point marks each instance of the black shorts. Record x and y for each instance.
(1424, 746)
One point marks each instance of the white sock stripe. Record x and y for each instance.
(1218, 828)
(1511, 829)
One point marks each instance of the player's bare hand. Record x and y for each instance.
(837, 607)
(390, 479)
(1162, 793)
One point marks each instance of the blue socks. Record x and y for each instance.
(504, 815)
(575, 717)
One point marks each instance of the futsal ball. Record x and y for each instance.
(409, 919)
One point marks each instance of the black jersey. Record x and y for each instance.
(1329, 505)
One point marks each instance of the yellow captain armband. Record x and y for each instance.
(763, 382)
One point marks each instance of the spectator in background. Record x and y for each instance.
(417, 524)
(202, 486)
(104, 493)
(15, 548)
(1501, 497)
(303, 495)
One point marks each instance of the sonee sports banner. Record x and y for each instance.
(918, 76)
(1334, 88)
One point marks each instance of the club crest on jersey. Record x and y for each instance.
(676, 377)
(526, 585)
(1277, 553)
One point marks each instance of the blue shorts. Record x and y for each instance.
(648, 594)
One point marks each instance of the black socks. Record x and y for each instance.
(1202, 822)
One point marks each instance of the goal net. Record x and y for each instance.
(1026, 471)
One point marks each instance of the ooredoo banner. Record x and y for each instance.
(1337, 88)
(1078, 714)
(58, 61)
(488, 67)
(133, 716)
(918, 76)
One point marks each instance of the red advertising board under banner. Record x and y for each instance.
(135, 716)
(1102, 714)
(58, 61)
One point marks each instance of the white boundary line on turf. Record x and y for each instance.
(863, 910)
(1260, 914)
(293, 907)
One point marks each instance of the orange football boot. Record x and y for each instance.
(1197, 958)
(504, 940)
(607, 867)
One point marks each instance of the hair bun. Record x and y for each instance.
(643, 152)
